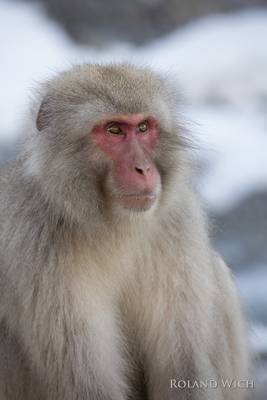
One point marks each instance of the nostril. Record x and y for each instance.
(139, 170)
(142, 171)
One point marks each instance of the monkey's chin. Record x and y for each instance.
(137, 202)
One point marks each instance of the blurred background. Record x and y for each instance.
(215, 52)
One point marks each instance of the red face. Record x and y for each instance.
(129, 141)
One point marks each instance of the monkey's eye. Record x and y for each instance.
(114, 129)
(143, 127)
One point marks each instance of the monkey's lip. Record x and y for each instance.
(138, 201)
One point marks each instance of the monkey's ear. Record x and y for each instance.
(43, 117)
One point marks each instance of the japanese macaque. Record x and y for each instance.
(109, 287)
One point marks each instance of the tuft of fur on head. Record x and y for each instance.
(59, 155)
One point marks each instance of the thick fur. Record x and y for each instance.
(97, 302)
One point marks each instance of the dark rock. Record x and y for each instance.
(260, 379)
(7, 152)
(100, 22)
(241, 233)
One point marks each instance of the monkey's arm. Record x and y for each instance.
(64, 329)
(71, 350)
(232, 360)
(194, 338)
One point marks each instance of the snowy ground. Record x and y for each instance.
(220, 65)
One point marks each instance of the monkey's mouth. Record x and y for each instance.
(137, 201)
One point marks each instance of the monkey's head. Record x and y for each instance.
(105, 137)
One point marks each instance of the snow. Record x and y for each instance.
(234, 146)
(31, 48)
(222, 57)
